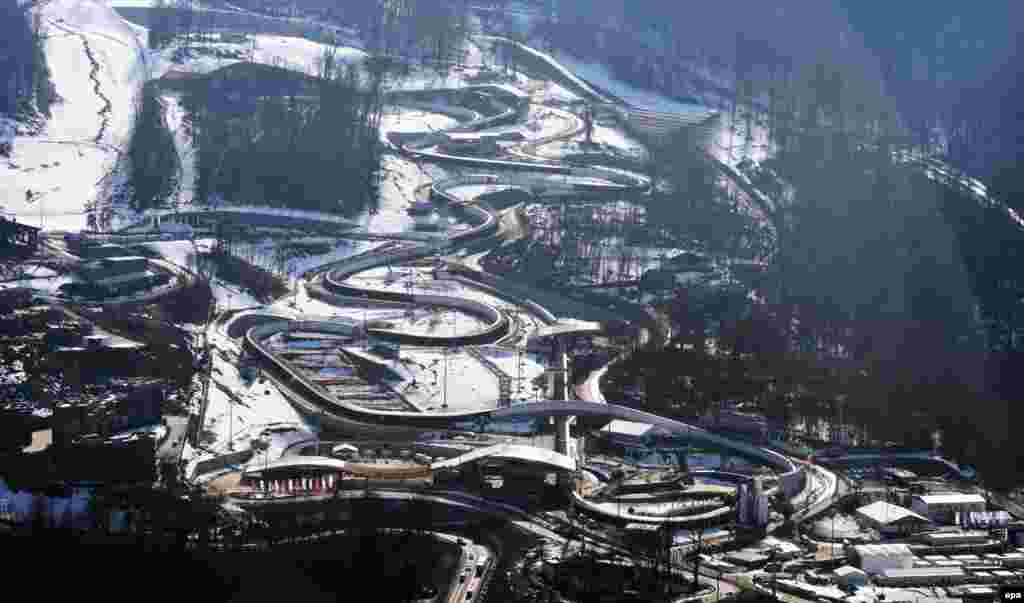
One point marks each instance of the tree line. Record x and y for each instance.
(26, 88)
(427, 30)
(152, 156)
(267, 136)
(173, 20)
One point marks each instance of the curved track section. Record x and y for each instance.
(329, 284)
(790, 478)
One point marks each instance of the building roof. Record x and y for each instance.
(884, 513)
(643, 527)
(849, 570)
(519, 452)
(628, 428)
(318, 462)
(891, 551)
(922, 572)
(747, 556)
(958, 535)
(950, 498)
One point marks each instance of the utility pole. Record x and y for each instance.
(231, 424)
(366, 331)
(444, 383)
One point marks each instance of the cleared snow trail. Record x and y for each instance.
(94, 69)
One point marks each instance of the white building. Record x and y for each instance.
(888, 518)
(630, 433)
(875, 558)
(942, 508)
(924, 576)
(959, 537)
(851, 576)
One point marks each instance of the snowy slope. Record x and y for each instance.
(64, 165)
(297, 54)
(600, 76)
(50, 178)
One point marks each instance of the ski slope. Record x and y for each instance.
(49, 178)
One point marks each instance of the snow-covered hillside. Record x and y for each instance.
(97, 64)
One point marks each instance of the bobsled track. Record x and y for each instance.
(537, 179)
(332, 284)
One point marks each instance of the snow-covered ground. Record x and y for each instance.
(397, 189)
(263, 254)
(174, 115)
(406, 120)
(425, 78)
(606, 138)
(541, 122)
(470, 385)
(617, 139)
(599, 75)
(310, 307)
(523, 367)
(296, 54)
(50, 177)
(180, 252)
(227, 295)
(240, 416)
(554, 93)
(428, 321)
(158, 430)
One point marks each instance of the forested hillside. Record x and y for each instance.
(153, 160)
(268, 136)
(891, 295)
(25, 88)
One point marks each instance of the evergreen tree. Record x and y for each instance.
(25, 86)
(152, 155)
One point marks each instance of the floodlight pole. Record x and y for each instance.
(231, 424)
(832, 546)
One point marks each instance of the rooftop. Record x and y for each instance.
(883, 550)
(922, 571)
(886, 513)
(318, 462)
(643, 527)
(747, 556)
(951, 498)
(629, 428)
(849, 570)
